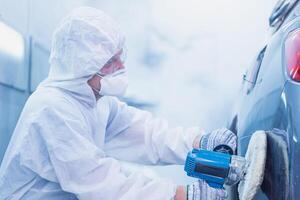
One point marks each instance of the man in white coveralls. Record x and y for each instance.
(73, 129)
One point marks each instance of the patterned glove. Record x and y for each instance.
(219, 139)
(200, 190)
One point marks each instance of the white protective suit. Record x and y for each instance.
(67, 145)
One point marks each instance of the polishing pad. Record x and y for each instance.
(256, 160)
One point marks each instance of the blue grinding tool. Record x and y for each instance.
(220, 167)
(216, 168)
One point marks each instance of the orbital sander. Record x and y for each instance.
(220, 167)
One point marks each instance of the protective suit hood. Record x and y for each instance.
(81, 45)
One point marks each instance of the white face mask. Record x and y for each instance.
(114, 84)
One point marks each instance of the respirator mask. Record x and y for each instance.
(114, 84)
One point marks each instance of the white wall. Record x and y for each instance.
(202, 49)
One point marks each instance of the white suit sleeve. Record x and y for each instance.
(82, 168)
(135, 135)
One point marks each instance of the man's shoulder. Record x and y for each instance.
(50, 99)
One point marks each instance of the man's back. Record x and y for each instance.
(18, 179)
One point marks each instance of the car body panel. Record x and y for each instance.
(273, 104)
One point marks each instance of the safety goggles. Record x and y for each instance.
(119, 57)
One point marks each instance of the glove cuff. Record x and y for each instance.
(203, 142)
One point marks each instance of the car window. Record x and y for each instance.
(295, 12)
(278, 13)
(281, 12)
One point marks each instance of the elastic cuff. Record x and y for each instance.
(203, 142)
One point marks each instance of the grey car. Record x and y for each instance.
(269, 99)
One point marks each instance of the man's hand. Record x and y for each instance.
(180, 193)
(200, 190)
(215, 138)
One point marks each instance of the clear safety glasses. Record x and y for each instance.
(114, 64)
(119, 57)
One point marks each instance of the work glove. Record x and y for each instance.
(218, 139)
(200, 190)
